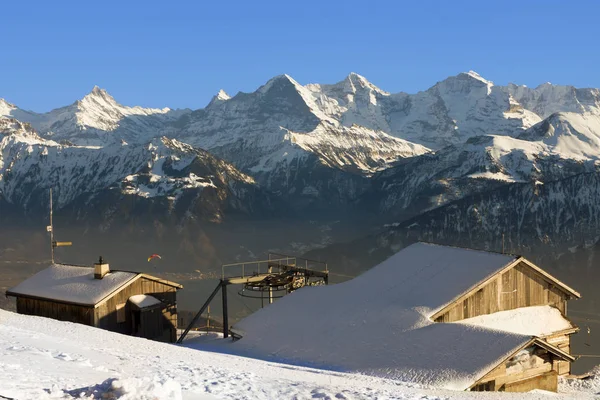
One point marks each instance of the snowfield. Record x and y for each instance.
(46, 359)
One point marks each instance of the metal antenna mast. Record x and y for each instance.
(50, 228)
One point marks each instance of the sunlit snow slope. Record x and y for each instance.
(46, 359)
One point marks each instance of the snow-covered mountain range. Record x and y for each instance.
(320, 151)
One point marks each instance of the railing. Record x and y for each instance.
(308, 264)
(253, 268)
(275, 263)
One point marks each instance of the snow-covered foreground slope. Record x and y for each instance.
(42, 359)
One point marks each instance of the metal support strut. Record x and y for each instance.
(212, 296)
(225, 314)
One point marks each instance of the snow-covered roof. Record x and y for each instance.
(431, 276)
(378, 323)
(532, 321)
(144, 300)
(71, 284)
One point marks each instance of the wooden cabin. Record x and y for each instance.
(131, 303)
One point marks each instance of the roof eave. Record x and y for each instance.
(136, 277)
(569, 290)
(117, 289)
(163, 281)
(33, 297)
(154, 278)
(553, 349)
(568, 331)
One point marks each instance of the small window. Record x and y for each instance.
(484, 387)
(121, 313)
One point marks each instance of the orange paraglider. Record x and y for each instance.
(154, 256)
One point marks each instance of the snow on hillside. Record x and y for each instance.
(284, 122)
(30, 165)
(547, 99)
(348, 148)
(249, 128)
(14, 127)
(571, 135)
(97, 110)
(91, 120)
(480, 164)
(27, 167)
(450, 112)
(46, 359)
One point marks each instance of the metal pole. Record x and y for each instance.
(51, 230)
(270, 288)
(225, 316)
(208, 319)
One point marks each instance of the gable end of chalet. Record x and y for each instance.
(519, 284)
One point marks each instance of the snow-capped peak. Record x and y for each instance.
(355, 82)
(475, 75)
(6, 107)
(87, 121)
(284, 79)
(99, 95)
(219, 98)
(222, 95)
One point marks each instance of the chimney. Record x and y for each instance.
(100, 269)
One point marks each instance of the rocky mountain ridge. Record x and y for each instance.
(315, 152)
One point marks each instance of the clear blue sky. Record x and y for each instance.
(178, 54)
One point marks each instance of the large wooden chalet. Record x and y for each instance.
(120, 301)
(438, 315)
(515, 286)
(501, 292)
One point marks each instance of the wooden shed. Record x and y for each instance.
(131, 303)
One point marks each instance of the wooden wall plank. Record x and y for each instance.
(106, 316)
(518, 287)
